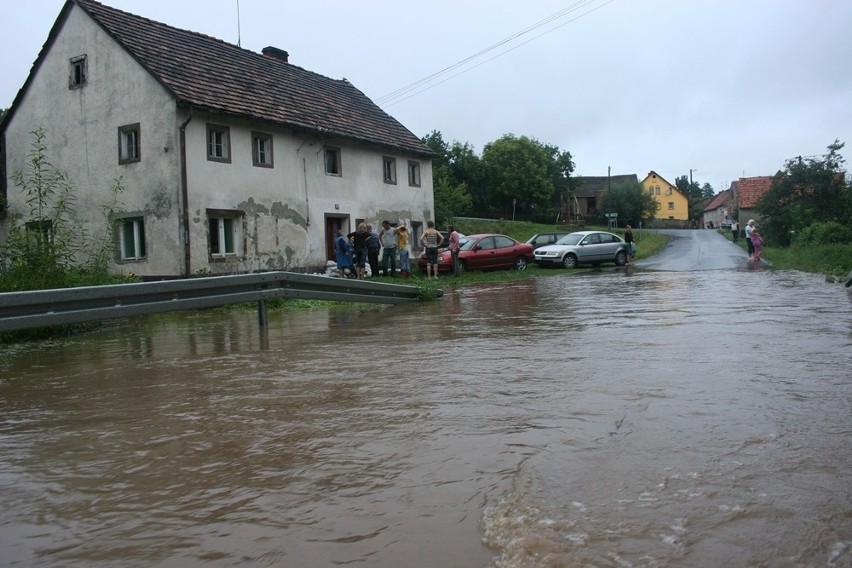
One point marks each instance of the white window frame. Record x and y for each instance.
(261, 153)
(131, 235)
(129, 144)
(413, 173)
(227, 240)
(219, 143)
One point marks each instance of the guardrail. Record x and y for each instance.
(43, 308)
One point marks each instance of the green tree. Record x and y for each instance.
(696, 194)
(519, 175)
(807, 191)
(454, 168)
(630, 202)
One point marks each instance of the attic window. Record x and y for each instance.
(78, 72)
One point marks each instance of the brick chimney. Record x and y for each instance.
(275, 53)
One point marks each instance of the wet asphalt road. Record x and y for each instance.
(698, 249)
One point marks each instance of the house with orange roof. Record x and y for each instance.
(672, 204)
(747, 192)
(231, 161)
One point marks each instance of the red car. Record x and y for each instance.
(484, 252)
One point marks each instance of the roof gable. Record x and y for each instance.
(721, 200)
(207, 73)
(752, 189)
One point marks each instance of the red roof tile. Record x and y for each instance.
(719, 200)
(206, 73)
(751, 189)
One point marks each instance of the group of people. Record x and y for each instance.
(361, 247)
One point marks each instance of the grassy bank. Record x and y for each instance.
(834, 260)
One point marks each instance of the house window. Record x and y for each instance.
(78, 71)
(225, 233)
(128, 144)
(657, 190)
(218, 143)
(40, 235)
(261, 149)
(131, 238)
(416, 233)
(332, 162)
(389, 169)
(414, 174)
(671, 205)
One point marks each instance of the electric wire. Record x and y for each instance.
(431, 81)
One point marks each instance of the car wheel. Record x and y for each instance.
(462, 268)
(570, 261)
(520, 263)
(621, 258)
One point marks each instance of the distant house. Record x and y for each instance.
(232, 161)
(588, 191)
(719, 211)
(672, 204)
(748, 192)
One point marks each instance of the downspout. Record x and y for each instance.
(184, 194)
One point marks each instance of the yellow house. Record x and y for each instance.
(671, 202)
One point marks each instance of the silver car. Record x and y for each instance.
(583, 247)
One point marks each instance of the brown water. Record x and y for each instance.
(599, 419)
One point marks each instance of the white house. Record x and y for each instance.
(231, 161)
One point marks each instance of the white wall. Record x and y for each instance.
(82, 138)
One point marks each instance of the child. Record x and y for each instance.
(757, 242)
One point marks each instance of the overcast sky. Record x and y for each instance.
(725, 88)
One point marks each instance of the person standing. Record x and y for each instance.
(454, 248)
(631, 249)
(404, 254)
(757, 243)
(343, 254)
(431, 240)
(387, 236)
(373, 247)
(748, 230)
(359, 244)
(735, 229)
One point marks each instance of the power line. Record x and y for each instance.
(414, 88)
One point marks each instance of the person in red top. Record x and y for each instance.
(454, 248)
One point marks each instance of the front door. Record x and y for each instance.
(332, 224)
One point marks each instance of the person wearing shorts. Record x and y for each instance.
(431, 240)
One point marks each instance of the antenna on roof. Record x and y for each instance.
(238, 24)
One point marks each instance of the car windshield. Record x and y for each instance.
(465, 243)
(571, 239)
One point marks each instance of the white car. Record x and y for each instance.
(583, 247)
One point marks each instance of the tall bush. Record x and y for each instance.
(46, 247)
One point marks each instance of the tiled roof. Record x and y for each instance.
(591, 186)
(751, 189)
(206, 73)
(718, 201)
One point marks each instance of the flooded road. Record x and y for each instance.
(613, 418)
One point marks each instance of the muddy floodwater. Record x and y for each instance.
(617, 417)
